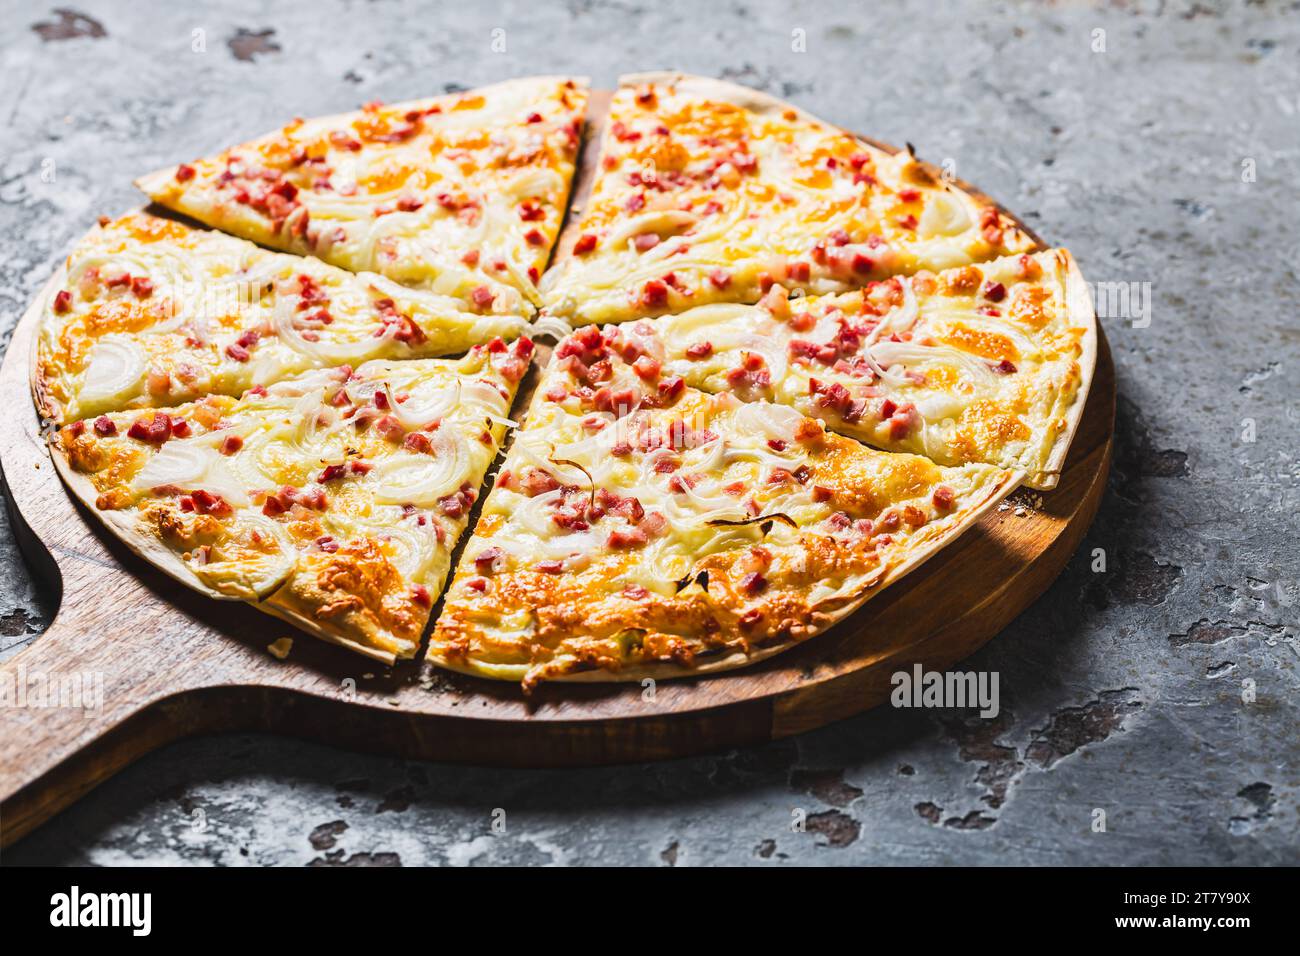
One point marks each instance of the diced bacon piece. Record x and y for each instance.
(420, 595)
(654, 294)
(390, 428)
(699, 350)
(994, 291)
(482, 297)
(753, 583)
(155, 431)
(207, 503)
(645, 241)
(314, 498)
(630, 538)
(237, 352)
(490, 560)
(550, 567)
(537, 481)
(1005, 367)
(62, 301)
(646, 367)
(902, 421)
(104, 427)
(534, 237)
(720, 278)
(529, 211)
(820, 493)
(470, 258)
(418, 442)
(585, 244)
(184, 173)
(944, 498)
(231, 444)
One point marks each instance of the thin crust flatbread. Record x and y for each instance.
(988, 362)
(153, 312)
(710, 192)
(332, 500)
(461, 194)
(668, 509)
(641, 527)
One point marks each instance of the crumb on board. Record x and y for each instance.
(279, 649)
(1024, 503)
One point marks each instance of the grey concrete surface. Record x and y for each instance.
(1163, 151)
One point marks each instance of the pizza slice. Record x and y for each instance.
(643, 528)
(332, 500)
(459, 194)
(152, 312)
(988, 362)
(709, 192)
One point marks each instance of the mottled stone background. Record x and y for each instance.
(1122, 689)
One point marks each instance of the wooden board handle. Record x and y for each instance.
(104, 685)
(58, 705)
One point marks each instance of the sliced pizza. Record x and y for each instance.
(643, 528)
(459, 194)
(709, 192)
(153, 312)
(986, 362)
(332, 500)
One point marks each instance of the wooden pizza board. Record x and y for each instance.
(172, 663)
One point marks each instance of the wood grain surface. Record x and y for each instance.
(172, 663)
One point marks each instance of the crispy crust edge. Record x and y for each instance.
(731, 660)
(764, 104)
(41, 372)
(150, 183)
(1082, 314)
(124, 525)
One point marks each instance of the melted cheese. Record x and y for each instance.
(969, 406)
(451, 194)
(738, 199)
(156, 314)
(611, 512)
(318, 490)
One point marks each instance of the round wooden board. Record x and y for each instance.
(174, 664)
